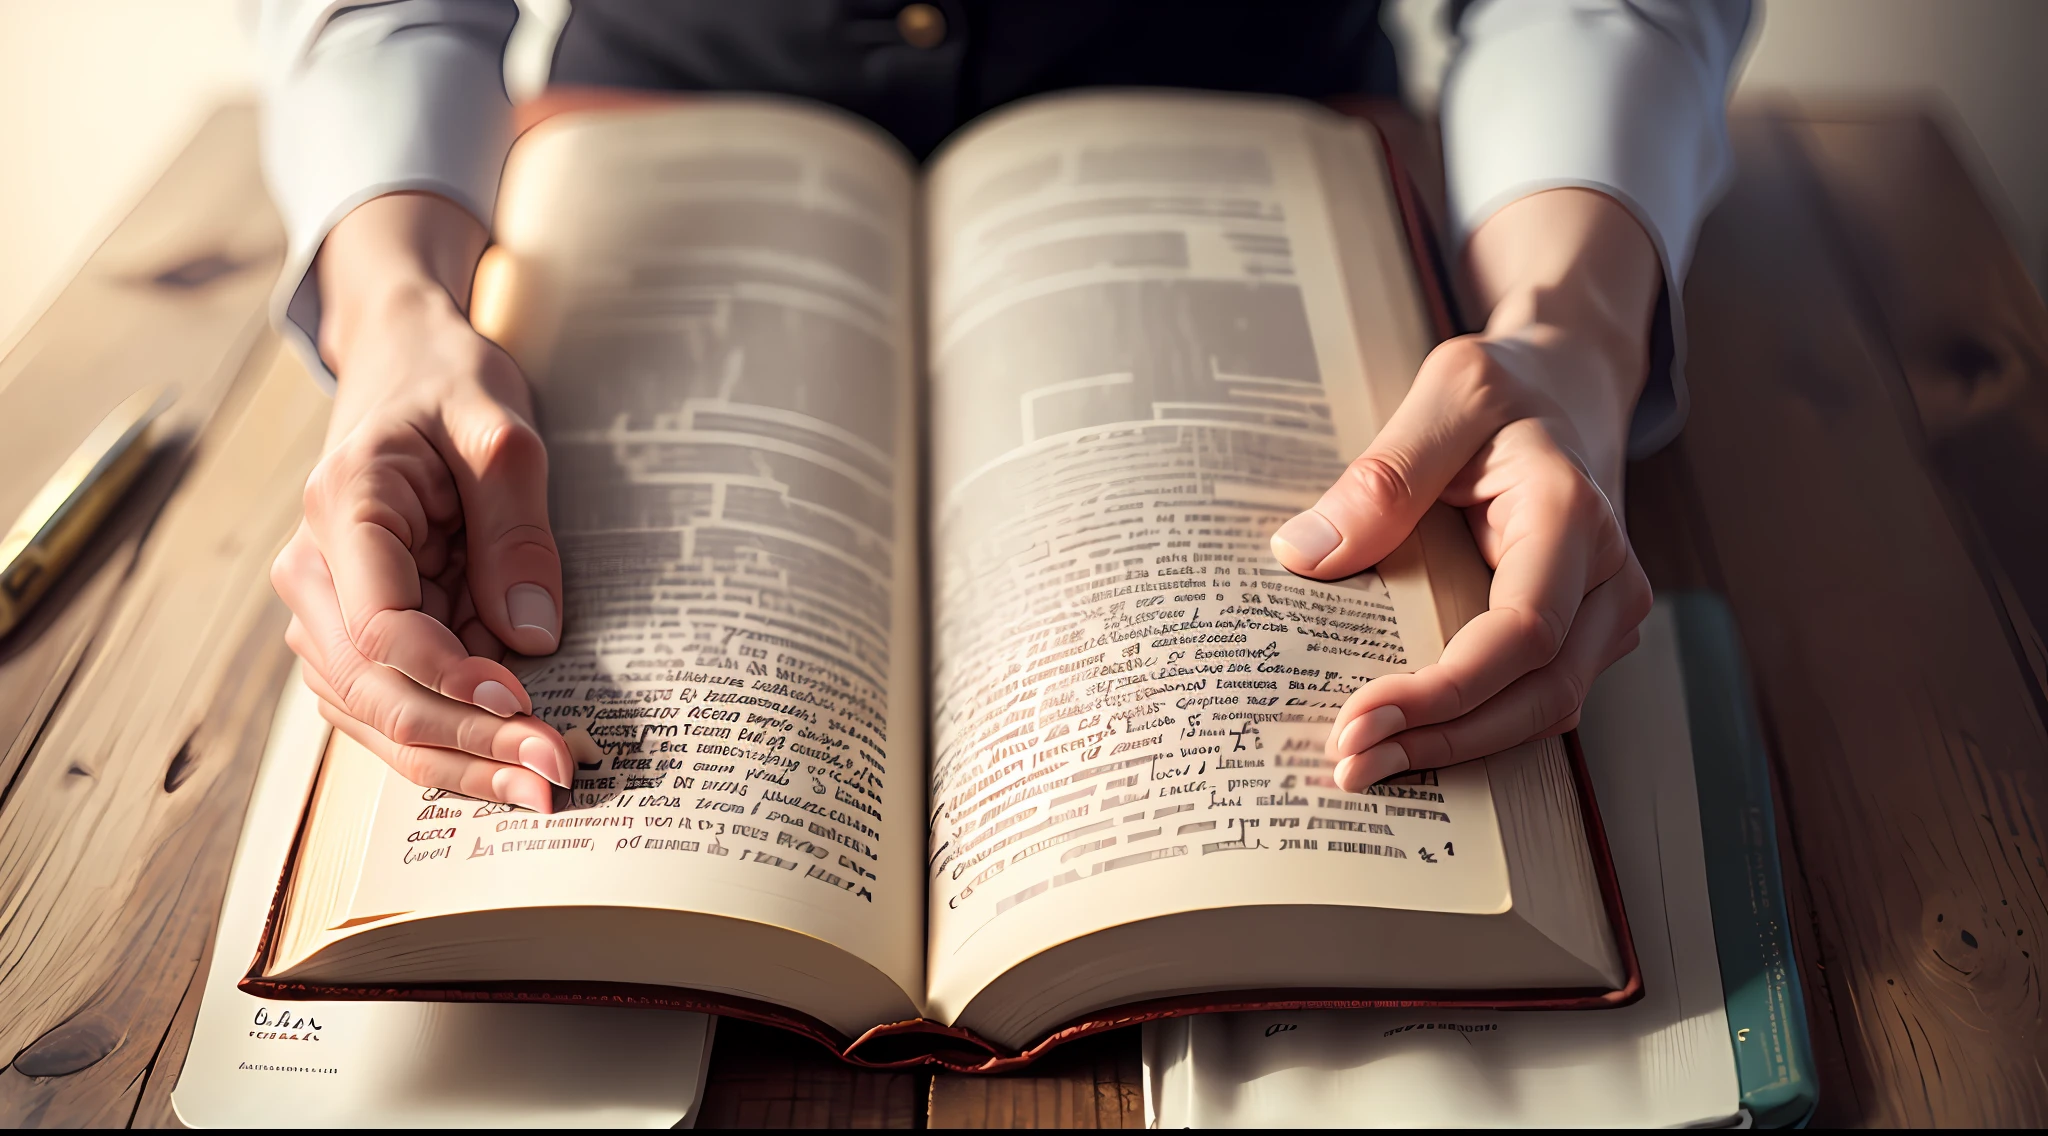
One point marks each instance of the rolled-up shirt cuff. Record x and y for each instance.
(1597, 98)
(396, 97)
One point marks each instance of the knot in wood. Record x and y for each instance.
(1970, 361)
(78, 1042)
(183, 764)
(196, 272)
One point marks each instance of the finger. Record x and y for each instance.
(294, 576)
(389, 702)
(477, 777)
(1449, 413)
(479, 640)
(1544, 702)
(373, 504)
(514, 569)
(417, 645)
(1559, 542)
(408, 715)
(301, 642)
(474, 635)
(430, 557)
(436, 603)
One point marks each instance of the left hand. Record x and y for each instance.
(1524, 428)
(426, 552)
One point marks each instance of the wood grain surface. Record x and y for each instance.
(1861, 476)
(174, 296)
(762, 1077)
(1093, 1083)
(115, 835)
(132, 704)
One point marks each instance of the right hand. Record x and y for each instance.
(425, 554)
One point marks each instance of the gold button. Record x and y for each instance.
(921, 25)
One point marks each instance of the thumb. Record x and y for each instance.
(514, 570)
(1450, 412)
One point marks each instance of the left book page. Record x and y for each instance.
(713, 301)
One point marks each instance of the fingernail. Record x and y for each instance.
(496, 697)
(1375, 725)
(1371, 767)
(537, 755)
(527, 795)
(1308, 537)
(530, 606)
(510, 787)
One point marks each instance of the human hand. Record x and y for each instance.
(1523, 427)
(425, 554)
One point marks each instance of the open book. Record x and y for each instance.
(933, 687)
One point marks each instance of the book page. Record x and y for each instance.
(713, 303)
(1146, 356)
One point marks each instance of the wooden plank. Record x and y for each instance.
(1970, 335)
(1906, 735)
(115, 838)
(765, 1078)
(175, 296)
(154, 1109)
(1094, 1083)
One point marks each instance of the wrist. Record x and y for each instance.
(1591, 369)
(1572, 275)
(1570, 313)
(399, 264)
(397, 306)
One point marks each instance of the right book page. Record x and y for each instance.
(1146, 354)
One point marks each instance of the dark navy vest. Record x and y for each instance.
(921, 70)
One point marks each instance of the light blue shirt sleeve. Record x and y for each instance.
(1621, 96)
(363, 99)
(1626, 97)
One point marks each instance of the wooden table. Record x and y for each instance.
(1862, 476)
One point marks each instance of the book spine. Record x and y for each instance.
(1759, 976)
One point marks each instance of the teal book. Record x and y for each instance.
(1675, 756)
(1738, 831)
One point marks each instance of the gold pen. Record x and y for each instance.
(70, 506)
